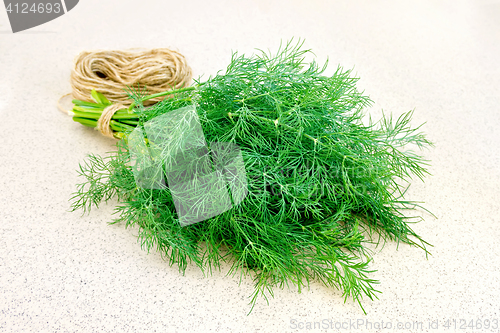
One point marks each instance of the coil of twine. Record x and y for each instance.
(111, 72)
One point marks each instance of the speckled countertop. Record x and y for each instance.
(61, 272)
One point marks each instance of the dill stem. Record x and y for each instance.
(130, 122)
(115, 126)
(164, 93)
(82, 113)
(257, 96)
(88, 109)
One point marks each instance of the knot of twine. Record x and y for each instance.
(105, 118)
(110, 72)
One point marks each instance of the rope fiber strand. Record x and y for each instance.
(105, 119)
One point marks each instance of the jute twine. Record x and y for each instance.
(111, 72)
(105, 118)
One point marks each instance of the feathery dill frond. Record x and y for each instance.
(318, 178)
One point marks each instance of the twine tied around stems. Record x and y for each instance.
(111, 72)
(105, 119)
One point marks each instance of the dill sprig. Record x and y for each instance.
(319, 179)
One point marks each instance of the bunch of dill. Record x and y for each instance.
(319, 180)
